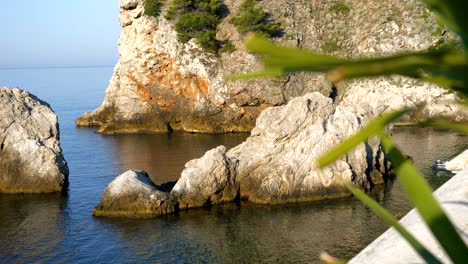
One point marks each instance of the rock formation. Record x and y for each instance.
(134, 194)
(206, 181)
(372, 97)
(160, 84)
(276, 164)
(31, 159)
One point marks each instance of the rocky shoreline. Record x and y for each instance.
(276, 164)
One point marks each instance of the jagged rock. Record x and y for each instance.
(277, 163)
(206, 181)
(31, 159)
(133, 194)
(160, 84)
(374, 97)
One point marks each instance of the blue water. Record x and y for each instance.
(60, 227)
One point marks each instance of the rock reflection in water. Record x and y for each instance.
(252, 233)
(33, 226)
(163, 156)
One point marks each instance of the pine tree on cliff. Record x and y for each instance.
(197, 19)
(251, 18)
(152, 7)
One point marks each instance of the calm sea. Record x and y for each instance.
(60, 227)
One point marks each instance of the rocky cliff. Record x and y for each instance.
(160, 84)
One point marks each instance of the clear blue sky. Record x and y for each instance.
(43, 33)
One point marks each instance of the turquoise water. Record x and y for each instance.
(60, 227)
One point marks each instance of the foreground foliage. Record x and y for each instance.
(445, 66)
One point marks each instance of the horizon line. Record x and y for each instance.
(55, 67)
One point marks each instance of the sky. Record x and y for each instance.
(55, 33)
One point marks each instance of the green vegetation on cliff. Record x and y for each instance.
(152, 7)
(196, 19)
(227, 47)
(251, 18)
(340, 7)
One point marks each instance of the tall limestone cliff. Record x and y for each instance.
(160, 84)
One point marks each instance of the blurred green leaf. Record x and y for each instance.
(373, 128)
(391, 220)
(445, 66)
(420, 194)
(250, 75)
(290, 59)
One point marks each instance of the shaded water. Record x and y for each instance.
(60, 228)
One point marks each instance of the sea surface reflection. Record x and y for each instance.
(163, 156)
(60, 227)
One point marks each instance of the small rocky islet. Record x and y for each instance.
(31, 158)
(161, 84)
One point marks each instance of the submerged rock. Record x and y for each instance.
(31, 159)
(133, 194)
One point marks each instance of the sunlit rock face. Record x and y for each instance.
(206, 181)
(133, 194)
(160, 84)
(278, 162)
(31, 159)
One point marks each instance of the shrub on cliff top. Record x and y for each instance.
(196, 19)
(152, 7)
(251, 18)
